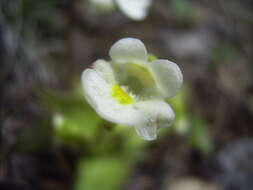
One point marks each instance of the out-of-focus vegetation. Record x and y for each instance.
(52, 139)
(108, 150)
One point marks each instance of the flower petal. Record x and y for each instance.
(128, 50)
(98, 93)
(105, 70)
(155, 114)
(146, 132)
(167, 75)
(134, 9)
(157, 111)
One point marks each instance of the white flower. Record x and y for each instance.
(130, 90)
(134, 9)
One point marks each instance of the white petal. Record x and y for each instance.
(134, 9)
(146, 132)
(128, 50)
(105, 70)
(167, 75)
(155, 114)
(157, 111)
(98, 93)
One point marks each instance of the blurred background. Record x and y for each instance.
(52, 140)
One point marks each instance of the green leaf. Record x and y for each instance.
(79, 120)
(101, 174)
(223, 54)
(198, 136)
(178, 103)
(183, 9)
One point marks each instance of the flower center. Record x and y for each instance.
(140, 73)
(121, 96)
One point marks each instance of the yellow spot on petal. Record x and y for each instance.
(121, 96)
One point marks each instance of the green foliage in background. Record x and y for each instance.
(105, 173)
(74, 120)
(108, 149)
(192, 126)
(198, 135)
(182, 9)
(223, 54)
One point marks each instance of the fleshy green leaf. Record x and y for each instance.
(101, 174)
(198, 136)
(73, 118)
